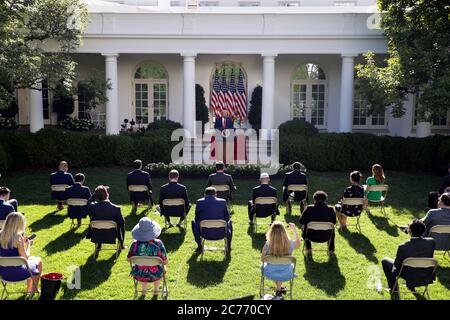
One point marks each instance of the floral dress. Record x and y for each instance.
(152, 248)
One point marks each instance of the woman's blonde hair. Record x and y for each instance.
(278, 239)
(378, 172)
(14, 226)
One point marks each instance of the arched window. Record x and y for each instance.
(309, 71)
(230, 77)
(150, 92)
(309, 94)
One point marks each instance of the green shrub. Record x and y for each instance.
(300, 127)
(4, 161)
(164, 124)
(124, 153)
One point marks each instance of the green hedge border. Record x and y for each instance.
(320, 152)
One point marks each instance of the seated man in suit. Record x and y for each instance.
(103, 209)
(78, 191)
(211, 208)
(440, 216)
(417, 247)
(221, 178)
(263, 190)
(294, 177)
(319, 212)
(61, 176)
(141, 178)
(7, 205)
(174, 190)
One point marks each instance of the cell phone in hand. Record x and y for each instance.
(32, 237)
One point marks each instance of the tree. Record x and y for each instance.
(419, 60)
(201, 110)
(63, 102)
(94, 89)
(254, 113)
(27, 27)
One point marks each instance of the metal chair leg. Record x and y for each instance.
(291, 285)
(135, 288)
(425, 293)
(203, 249)
(5, 291)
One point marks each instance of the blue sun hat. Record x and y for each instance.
(146, 230)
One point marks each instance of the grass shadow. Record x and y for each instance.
(325, 276)
(258, 238)
(204, 273)
(360, 243)
(94, 273)
(133, 218)
(47, 221)
(64, 242)
(173, 241)
(382, 224)
(443, 275)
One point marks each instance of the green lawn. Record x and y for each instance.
(344, 277)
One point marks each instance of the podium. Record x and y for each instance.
(229, 147)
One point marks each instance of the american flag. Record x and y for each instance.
(223, 91)
(230, 96)
(240, 98)
(214, 105)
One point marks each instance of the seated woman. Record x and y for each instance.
(13, 243)
(278, 244)
(146, 244)
(377, 178)
(353, 191)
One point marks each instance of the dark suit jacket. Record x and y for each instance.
(211, 208)
(139, 177)
(5, 209)
(218, 124)
(221, 178)
(78, 191)
(106, 210)
(60, 177)
(414, 248)
(294, 177)
(319, 212)
(264, 210)
(445, 184)
(173, 190)
(436, 217)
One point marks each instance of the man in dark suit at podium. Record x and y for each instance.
(223, 122)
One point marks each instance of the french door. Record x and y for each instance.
(309, 102)
(150, 101)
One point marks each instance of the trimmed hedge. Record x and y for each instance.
(319, 152)
(357, 151)
(44, 149)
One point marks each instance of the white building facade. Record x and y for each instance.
(302, 53)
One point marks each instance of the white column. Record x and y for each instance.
(112, 106)
(36, 108)
(268, 92)
(189, 93)
(346, 105)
